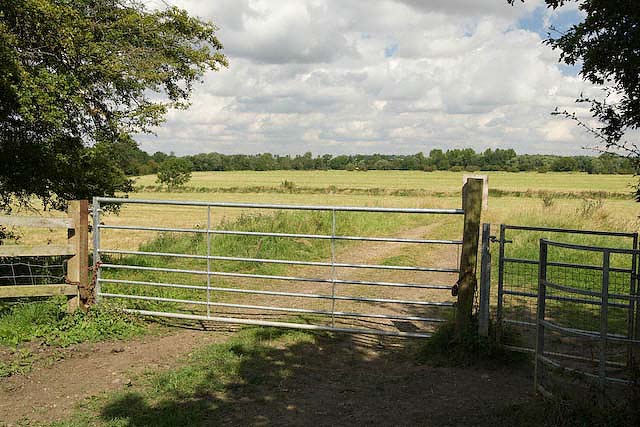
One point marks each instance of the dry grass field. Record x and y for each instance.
(439, 181)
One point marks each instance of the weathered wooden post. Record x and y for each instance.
(485, 282)
(78, 264)
(485, 189)
(467, 281)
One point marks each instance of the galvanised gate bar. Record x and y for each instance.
(131, 275)
(597, 352)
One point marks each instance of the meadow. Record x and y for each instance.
(437, 182)
(563, 200)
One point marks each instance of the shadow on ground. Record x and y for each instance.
(280, 377)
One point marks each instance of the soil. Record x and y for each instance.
(50, 392)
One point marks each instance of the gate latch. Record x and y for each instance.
(494, 239)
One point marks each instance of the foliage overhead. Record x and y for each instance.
(606, 44)
(77, 78)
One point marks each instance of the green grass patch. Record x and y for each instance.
(20, 362)
(202, 390)
(401, 260)
(49, 322)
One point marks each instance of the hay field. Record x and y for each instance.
(439, 181)
(616, 213)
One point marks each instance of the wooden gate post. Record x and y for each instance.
(467, 281)
(78, 264)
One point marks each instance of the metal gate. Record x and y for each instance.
(206, 271)
(518, 276)
(598, 346)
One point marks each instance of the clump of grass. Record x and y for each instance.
(548, 199)
(590, 207)
(448, 348)
(49, 321)
(288, 185)
(20, 363)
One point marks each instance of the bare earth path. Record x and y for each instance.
(49, 393)
(353, 380)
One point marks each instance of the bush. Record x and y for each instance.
(174, 172)
(543, 169)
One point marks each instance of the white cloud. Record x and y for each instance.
(364, 76)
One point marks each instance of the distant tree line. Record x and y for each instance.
(137, 162)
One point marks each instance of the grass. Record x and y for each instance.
(440, 181)
(202, 390)
(209, 383)
(448, 348)
(49, 322)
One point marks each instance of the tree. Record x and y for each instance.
(77, 78)
(607, 45)
(174, 172)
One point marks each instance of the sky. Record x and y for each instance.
(387, 76)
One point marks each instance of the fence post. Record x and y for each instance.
(485, 282)
(604, 322)
(95, 207)
(472, 206)
(499, 309)
(78, 264)
(542, 302)
(634, 307)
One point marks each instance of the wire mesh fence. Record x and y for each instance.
(586, 341)
(32, 270)
(517, 279)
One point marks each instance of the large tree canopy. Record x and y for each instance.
(606, 44)
(77, 78)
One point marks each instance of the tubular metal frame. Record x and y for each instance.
(504, 260)
(210, 272)
(603, 336)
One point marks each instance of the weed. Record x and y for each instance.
(548, 198)
(589, 207)
(20, 363)
(288, 185)
(49, 322)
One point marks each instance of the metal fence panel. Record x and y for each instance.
(195, 283)
(600, 359)
(518, 271)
